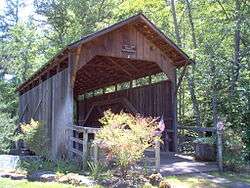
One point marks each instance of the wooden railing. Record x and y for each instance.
(156, 159)
(187, 135)
(85, 151)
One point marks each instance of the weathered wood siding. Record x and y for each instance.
(111, 45)
(151, 100)
(50, 103)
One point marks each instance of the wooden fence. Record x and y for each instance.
(187, 135)
(84, 153)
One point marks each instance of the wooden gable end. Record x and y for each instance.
(129, 44)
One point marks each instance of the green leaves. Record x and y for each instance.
(125, 137)
(7, 127)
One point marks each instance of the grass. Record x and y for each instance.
(190, 182)
(8, 183)
(242, 177)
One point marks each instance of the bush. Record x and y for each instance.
(7, 128)
(98, 171)
(34, 135)
(235, 150)
(125, 137)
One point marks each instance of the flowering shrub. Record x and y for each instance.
(34, 135)
(125, 137)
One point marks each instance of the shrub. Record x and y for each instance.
(7, 127)
(235, 150)
(34, 135)
(125, 137)
(98, 171)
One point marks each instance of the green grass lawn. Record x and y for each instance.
(242, 177)
(190, 182)
(8, 183)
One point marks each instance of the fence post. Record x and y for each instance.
(69, 133)
(219, 130)
(95, 153)
(85, 148)
(157, 156)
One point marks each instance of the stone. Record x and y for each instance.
(121, 184)
(164, 184)
(11, 162)
(17, 176)
(63, 179)
(86, 181)
(13, 176)
(155, 179)
(106, 182)
(5, 175)
(45, 176)
(76, 179)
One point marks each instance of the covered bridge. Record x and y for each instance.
(129, 66)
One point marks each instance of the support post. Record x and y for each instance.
(85, 148)
(220, 127)
(174, 111)
(157, 156)
(95, 153)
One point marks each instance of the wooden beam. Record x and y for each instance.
(74, 62)
(131, 65)
(34, 113)
(21, 115)
(198, 129)
(120, 67)
(180, 78)
(41, 72)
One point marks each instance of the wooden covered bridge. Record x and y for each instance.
(129, 66)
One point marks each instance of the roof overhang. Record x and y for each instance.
(141, 23)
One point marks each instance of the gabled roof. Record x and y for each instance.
(142, 24)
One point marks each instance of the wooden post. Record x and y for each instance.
(95, 153)
(174, 112)
(157, 156)
(131, 84)
(85, 148)
(220, 127)
(69, 134)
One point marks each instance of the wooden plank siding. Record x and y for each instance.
(150, 100)
(55, 110)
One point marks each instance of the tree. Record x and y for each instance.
(24, 52)
(69, 20)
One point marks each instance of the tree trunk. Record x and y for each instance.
(190, 78)
(214, 94)
(190, 18)
(178, 38)
(191, 83)
(236, 61)
(176, 26)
